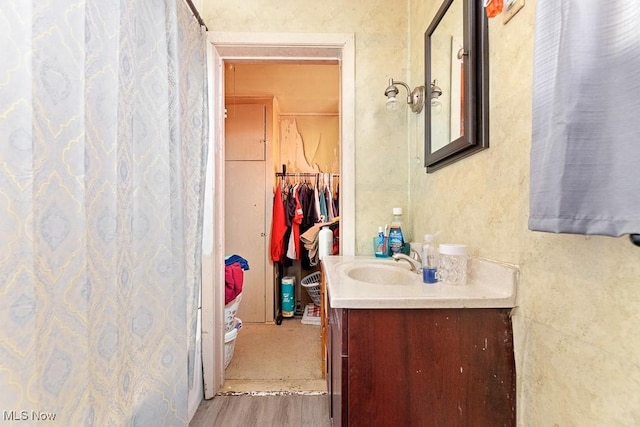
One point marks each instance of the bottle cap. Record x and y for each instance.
(380, 229)
(397, 211)
(428, 238)
(452, 249)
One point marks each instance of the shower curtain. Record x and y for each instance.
(103, 130)
(585, 156)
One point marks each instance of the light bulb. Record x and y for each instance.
(436, 106)
(392, 104)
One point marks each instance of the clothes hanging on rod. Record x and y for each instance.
(301, 200)
(278, 226)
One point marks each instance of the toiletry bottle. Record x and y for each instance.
(429, 260)
(380, 246)
(398, 239)
(325, 242)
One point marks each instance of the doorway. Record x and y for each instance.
(280, 115)
(271, 46)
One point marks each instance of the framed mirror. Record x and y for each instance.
(457, 85)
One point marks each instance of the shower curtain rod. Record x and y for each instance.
(194, 10)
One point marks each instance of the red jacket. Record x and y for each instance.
(278, 227)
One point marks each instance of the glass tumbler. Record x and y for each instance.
(452, 264)
(380, 247)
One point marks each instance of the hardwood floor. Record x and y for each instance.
(291, 410)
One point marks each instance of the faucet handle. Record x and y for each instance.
(415, 255)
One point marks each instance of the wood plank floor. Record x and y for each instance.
(264, 411)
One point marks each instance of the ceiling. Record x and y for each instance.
(300, 87)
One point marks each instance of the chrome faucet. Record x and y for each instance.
(415, 265)
(415, 255)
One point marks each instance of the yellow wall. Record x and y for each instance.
(380, 28)
(577, 328)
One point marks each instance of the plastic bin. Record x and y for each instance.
(230, 341)
(312, 284)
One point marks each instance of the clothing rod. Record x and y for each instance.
(309, 114)
(194, 10)
(305, 174)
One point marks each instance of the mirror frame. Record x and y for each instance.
(475, 91)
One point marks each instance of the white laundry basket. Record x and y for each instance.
(230, 313)
(230, 341)
(312, 284)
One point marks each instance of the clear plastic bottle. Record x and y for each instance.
(429, 260)
(398, 238)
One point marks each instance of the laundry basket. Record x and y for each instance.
(230, 341)
(230, 313)
(312, 284)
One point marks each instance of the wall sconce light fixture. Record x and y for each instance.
(415, 97)
(435, 93)
(436, 105)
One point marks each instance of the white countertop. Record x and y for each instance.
(490, 284)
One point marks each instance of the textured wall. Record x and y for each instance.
(381, 151)
(320, 137)
(309, 144)
(577, 331)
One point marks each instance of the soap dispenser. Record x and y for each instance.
(429, 260)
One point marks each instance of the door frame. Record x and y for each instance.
(267, 47)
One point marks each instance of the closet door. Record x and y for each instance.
(245, 132)
(245, 206)
(245, 232)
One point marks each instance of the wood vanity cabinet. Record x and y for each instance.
(421, 367)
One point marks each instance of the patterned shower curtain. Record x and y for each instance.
(103, 130)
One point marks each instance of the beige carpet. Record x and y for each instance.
(276, 358)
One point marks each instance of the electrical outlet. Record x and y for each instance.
(511, 7)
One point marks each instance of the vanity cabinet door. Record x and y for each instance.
(421, 367)
(436, 367)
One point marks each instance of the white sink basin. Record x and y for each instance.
(381, 274)
(368, 282)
